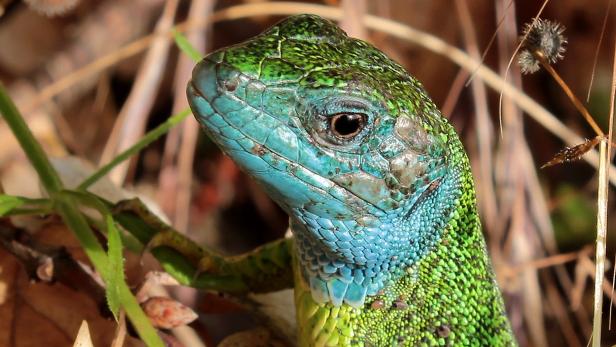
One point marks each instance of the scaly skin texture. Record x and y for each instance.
(387, 244)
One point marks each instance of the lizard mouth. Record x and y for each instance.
(193, 92)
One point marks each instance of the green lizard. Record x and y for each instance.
(387, 247)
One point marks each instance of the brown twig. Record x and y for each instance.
(454, 93)
(549, 261)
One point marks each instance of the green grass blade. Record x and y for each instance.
(134, 149)
(115, 272)
(182, 42)
(8, 203)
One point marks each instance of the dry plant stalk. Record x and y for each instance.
(602, 212)
(602, 195)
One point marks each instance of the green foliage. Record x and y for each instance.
(114, 275)
(8, 203)
(184, 45)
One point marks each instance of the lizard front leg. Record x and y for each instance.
(264, 269)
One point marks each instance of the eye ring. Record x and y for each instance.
(347, 125)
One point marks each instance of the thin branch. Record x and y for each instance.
(576, 102)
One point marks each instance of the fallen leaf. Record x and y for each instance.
(43, 314)
(167, 313)
(83, 338)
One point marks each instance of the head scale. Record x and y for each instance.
(344, 140)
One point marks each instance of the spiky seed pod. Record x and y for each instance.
(527, 62)
(52, 8)
(541, 37)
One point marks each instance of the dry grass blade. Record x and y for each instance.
(190, 128)
(602, 198)
(549, 261)
(483, 124)
(353, 22)
(576, 102)
(601, 236)
(609, 324)
(131, 122)
(491, 41)
(120, 333)
(175, 177)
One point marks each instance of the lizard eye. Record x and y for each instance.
(347, 125)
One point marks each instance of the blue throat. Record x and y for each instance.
(347, 260)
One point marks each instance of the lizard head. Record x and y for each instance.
(344, 140)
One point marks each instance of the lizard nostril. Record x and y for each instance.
(231, 84)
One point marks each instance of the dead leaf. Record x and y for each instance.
(43, 314)
(168, 313)
(83, 338)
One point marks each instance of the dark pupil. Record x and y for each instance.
(347, 124)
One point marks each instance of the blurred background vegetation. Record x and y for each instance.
(90, 85)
